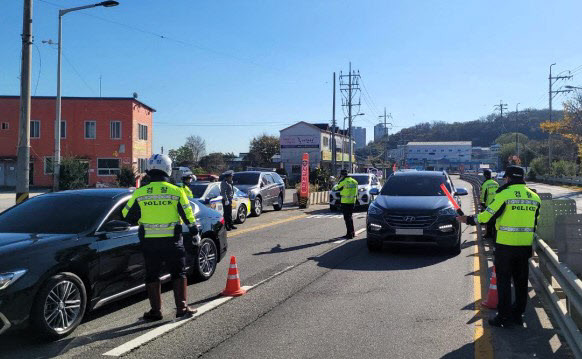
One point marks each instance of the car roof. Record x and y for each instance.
(96, 192)
(257, 172)
(361, 174)
(420, 173)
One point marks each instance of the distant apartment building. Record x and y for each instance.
(380, 131)
(359, 136)
(104, 133)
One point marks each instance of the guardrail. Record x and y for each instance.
(572, 181)
(561, 287)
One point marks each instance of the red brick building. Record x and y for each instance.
(107, 133)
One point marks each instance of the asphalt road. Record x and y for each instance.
(559, 192)
(314, 296)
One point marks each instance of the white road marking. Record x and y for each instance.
(358, 232)
(339, 241)
(320, 216)
(158, 331)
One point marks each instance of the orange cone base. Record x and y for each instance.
(234, 293)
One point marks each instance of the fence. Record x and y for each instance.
(314, 197)
(572, 181)
(557, 262)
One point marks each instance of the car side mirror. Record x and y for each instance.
(461, 191)
(374, 191)
(116, 226)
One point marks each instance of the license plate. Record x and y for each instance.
(409, 231)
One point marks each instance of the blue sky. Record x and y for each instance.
(261, 65)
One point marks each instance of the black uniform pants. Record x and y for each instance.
(227, 213)
(169, 251)
(511, 263)
(348, 210)
(491, 232)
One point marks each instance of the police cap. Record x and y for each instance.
(514, 172)
(228, 173)
(487, 173)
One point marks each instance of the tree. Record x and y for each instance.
(182, 156)
(213, 162)
(262, 148)
(510, 138)
(197, 145)
(570, 126)
(126, 177)
(74, 173)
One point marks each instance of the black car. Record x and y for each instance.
(62, 254)
(412, 208)
(263, 189)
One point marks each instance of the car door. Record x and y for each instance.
(121, 263)
(265, 190)
(273, 188)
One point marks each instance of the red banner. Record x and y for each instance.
(304, 191)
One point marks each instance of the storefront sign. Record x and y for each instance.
(304, 190)
(300, 141)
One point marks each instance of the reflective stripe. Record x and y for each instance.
(490, 210)
(522, 201)
(185, 206)
(167, 232)
(127, 207)
(493, 286)
(233, 266)
(160, 196)
(515, 229)
(233, 276)
(160, 225)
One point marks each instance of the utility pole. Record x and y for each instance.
(502, 106)
(516, 128)
(23, 159)
(551, 95)
(350, 90)
(333, 129)
(385, 136)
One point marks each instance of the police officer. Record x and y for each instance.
(488, 189)
(515, 209)
(227, 193)
(348, 188)
(158, 208)
(186, 180)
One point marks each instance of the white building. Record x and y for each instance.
(314, 139)
(359, 136)
(454, 151)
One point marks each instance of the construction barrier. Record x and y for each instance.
(321, 197)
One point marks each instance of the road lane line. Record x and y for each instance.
(266, 225)
(163, 329)
(339, 241)
(359, 231)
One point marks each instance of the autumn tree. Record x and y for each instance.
(570, 126)
(262, 148)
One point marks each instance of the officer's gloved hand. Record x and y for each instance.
(193, 230)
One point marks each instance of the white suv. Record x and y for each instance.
(366, 181)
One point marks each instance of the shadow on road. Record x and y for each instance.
(279, 249)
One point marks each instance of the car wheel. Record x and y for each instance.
(456, 249)
(205, 261)
(59, 306)
(258, 207)
(279, 204)
(373, 246)
(241, 214)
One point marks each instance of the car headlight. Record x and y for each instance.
(374, 210)
(449, 211)
(8, 278)
(362, 190)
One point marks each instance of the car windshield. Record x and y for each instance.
(362, 180)
(198, 189)
(239, 193)
(63, 213)
(245, 178)
(414, 186)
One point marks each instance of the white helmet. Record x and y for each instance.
(160, 162)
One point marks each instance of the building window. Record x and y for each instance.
(325, 142)
(115, 130)
(141, 165)
(48, 165)
(5, 125)
(107, 166)
(63, 129)
(34, 129)
(143, 132)
(90, 130)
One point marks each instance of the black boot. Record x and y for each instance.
(155, 296)
(500, 322)
(232, 226)
(180, 290)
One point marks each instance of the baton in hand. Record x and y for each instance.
(452, 200)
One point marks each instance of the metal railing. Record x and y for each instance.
(572, 181)
(561, 287)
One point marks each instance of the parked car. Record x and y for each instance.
(209, 194)
(366, 181)
(412, 209)
(63, 254)
(500, 175)
(263, 189)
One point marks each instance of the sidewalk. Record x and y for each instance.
(8, 199)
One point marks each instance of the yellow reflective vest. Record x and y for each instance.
(187, 190)
(516, 209)
(161, 206)
(488, 189)
(348, 188)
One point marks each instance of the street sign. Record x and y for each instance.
(304, 190)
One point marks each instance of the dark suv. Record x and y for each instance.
(263, 189)
(412, 208)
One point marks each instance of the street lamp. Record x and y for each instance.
(57, 156)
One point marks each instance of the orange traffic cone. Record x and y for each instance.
(492, 298)
(233, 288)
